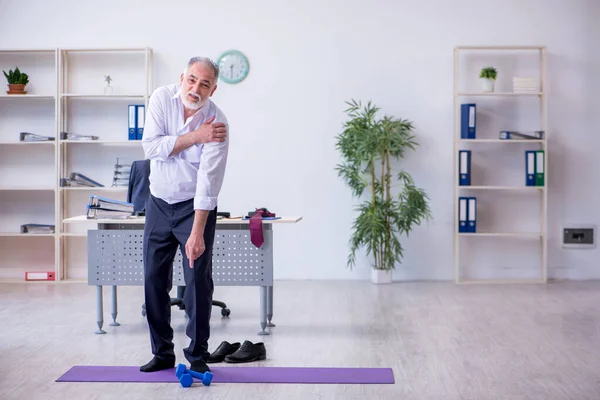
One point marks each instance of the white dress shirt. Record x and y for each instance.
(196, 172)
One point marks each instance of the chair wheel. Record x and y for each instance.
(225, 312)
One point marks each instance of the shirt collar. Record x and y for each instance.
(177, 93)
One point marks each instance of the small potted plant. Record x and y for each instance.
(488, 78)
(16, 81)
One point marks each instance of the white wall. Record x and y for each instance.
(307, 58)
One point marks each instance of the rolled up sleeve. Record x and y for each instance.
(156, 143)
(211, 172)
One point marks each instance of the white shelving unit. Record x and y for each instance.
(28, 170)
(498, 167)
(65, 93)
(86, 110)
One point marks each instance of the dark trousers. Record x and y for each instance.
(168, 226)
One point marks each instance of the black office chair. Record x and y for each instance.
(137, 192)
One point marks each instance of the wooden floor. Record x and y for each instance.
(443, 341)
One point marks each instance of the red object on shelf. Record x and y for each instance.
(39, 276)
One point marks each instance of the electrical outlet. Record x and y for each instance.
(579, 236)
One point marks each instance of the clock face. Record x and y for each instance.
(233, 66)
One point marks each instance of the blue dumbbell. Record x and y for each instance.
(185, 376)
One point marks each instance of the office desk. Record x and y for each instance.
(115, 258)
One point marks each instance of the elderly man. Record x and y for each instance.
(185, 138)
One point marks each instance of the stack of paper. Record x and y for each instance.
(102, 207)
(37, 228)
(525, 85)
(78, 180)
(75, 136)
(33, 137)
(531, 135)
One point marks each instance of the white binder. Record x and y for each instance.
(462, 215)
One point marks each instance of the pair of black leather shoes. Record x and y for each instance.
(236, 353)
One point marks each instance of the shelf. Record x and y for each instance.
(502, 141)
(503, 234)
(519, 104)
(25, 188)
(501, 187)
(42, 142)
(32, 51)
(501, 281)
(13, 281)
(72, 280)
(106, 50)
(107, 142)
(17, 234)
(499, 94)
(97, 188)
(103, 96)
(66, 100)
(501, 47)
(26, 96)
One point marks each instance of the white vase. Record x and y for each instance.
(487, 85)
(381, 276)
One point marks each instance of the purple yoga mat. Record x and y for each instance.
(83, 373)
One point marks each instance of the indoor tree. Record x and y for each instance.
(370, 148)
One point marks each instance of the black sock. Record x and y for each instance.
(199, 366)
(156, 364)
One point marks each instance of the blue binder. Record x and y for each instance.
(464, 165)
(139, 122)
(463, 208)
(468, 121)
(472, 215)
(132, 127)
(530, 167)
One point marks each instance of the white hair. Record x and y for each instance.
(204, 61)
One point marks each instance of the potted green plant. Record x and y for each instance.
(370, 150)
(16, 81)
(487, 78)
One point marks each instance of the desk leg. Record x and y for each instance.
(99, 317)
(270, 306)
(114, 306)
(263, 310)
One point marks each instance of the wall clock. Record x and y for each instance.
(233, 66)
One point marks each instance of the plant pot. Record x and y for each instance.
(16, 88)
(487, 85)
(381, 276)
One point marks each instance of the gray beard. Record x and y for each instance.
(189, 104)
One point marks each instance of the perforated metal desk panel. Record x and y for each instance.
(115, 256)
(115, 259)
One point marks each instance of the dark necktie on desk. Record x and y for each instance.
(256, 232)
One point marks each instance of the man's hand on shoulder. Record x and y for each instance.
(210, 132)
